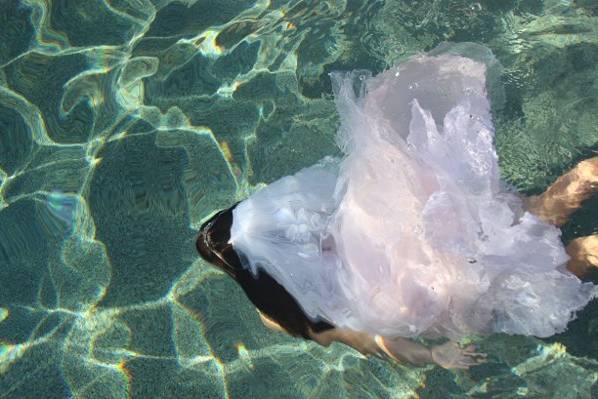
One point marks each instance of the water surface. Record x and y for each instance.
(125, 123)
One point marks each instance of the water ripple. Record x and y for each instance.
(125, 123)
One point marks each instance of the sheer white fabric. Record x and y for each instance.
(412, 232)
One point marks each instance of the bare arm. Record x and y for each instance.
(449, 355)
(560, 200)
(405, 349)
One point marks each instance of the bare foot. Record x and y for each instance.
(584, 255)
(451, 356)
(566, 195)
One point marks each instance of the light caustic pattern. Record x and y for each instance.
(123, 124)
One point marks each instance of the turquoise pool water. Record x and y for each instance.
(124, 123)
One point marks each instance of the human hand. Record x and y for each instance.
(451, 356)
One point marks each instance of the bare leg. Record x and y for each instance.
(584, 254)
(565, 196)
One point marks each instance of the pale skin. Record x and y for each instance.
(554, 206)
(558, 203)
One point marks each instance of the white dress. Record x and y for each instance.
(412, 232)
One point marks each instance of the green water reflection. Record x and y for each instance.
(124, 123)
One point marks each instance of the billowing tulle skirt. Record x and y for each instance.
(412, 232)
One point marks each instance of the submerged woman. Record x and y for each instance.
(412, 233)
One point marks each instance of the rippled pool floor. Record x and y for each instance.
(124, 123)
